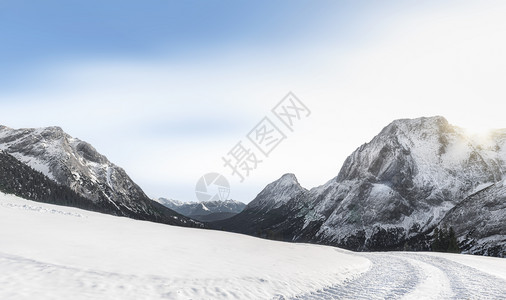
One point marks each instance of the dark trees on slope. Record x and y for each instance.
(19, 179)
(445, 241)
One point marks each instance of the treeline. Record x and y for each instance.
(445, 240)
(21, 180)
(269, 234)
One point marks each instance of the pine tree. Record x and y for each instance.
(445, 240)
(452, 242)
(436, 244)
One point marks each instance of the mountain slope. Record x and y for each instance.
(76, 164)
(21, 180)
(479, 221)
(274, 213)
(390, 192)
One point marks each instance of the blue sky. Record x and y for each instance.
(166, 88)
(36, 32)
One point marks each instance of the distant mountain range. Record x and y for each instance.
(206, 211)
(67, 166)
(391, 193)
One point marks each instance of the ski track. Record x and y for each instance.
(391, 276)
(414, 276)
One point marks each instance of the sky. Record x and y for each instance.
(166, 89)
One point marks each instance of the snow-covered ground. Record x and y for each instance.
(54, 252)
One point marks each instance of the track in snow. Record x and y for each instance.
(415, 276)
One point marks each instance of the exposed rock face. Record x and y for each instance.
(21, 180)
(479, 221)
(278, 193)
(76, 164)
(390, 193)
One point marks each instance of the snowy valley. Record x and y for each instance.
(205, 211)
(74, 225)
(57, 252)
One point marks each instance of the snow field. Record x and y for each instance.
(57, 252)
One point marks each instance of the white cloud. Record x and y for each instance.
(448, 62)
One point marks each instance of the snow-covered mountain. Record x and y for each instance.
(206, 210)
(392, 192)
(76, 164)
(278, 193)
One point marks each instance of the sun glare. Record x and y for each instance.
(477, 130)
(480, 135)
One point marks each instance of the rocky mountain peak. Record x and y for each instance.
(288, 179)
(432, 125)
(278, 192)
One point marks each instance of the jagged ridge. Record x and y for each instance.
(390, 192)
